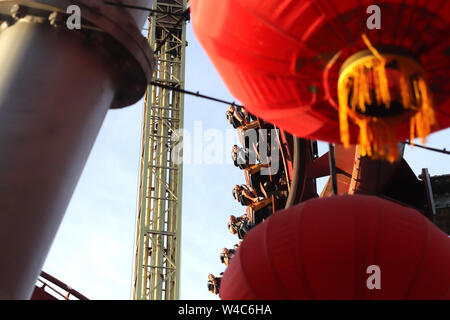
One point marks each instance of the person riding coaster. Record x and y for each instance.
(213, 283)
(226, 255)
(243, 157)
(239, 225)
(245, 194)
(238, 116)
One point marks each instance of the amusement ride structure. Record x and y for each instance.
(304, 70)
(157, 274)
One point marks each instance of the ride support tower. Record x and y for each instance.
(158, 235)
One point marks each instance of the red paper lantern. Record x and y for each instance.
(306, 66)
(324, 249)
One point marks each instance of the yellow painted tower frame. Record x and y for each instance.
(157, 256)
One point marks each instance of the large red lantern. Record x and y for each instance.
(338, 248)
(315, 69)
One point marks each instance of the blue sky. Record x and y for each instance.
(94, 248)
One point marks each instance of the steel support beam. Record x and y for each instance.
(56, 85)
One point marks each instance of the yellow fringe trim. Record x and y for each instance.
(377, 135)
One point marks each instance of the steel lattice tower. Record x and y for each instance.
(157, 256)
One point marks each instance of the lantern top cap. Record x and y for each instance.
(383, 50)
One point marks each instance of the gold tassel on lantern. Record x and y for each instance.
(363, 84)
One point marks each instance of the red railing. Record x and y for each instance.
(50, 288)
